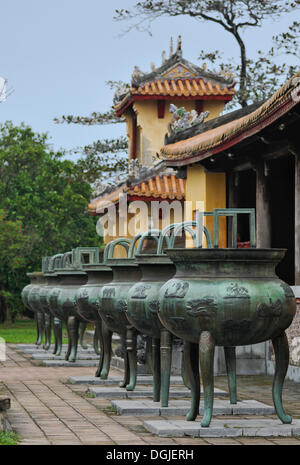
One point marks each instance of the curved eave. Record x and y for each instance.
(177, 156)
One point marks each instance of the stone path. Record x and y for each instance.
(46, 410)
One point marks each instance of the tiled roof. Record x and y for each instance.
(220, 138)
(195, 87)
(165, 187)
(186, 87)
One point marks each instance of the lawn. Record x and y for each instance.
(23, 331)
(9, 438)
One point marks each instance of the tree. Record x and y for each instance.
(234, 16)
(43, 208)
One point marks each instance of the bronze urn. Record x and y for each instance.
(227, 297)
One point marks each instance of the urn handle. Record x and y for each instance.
(55, 262)
(151, 233)
(85, 255)
(110, 247)
(186, 226)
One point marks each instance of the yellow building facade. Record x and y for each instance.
(145, 106)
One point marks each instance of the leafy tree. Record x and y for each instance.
(43, 208)
(234, 16)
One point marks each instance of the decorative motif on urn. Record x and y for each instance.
(271, 310)
(205, 307)
(177, 290)
(140, 291)
(109, 293)
(236, 291)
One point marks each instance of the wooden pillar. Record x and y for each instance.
(297, 220)
(263, 215)
(133, 135)
(233, 179)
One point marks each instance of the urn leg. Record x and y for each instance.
(36, 327)
(230, 359)
(47, 319)
(82, 328)
(165, 363)
(69, 340)
(73, 323)
(192, 370)
(40, 327)
(185, 360)
(106, 337)
(57, 329)
(96, 339)
(126, 362)
(206, 354)
(54, 333)
(131, 335)
(281, 349)
(99, 338)
(156, 369)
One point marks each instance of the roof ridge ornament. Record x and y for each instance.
(179, 47)
(171, 47)
(183, 119)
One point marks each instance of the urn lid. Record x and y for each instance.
(153, 259)
(100, 267)
(225, 255)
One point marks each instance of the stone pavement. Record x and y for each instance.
(46, 409)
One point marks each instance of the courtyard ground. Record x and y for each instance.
(47, 410)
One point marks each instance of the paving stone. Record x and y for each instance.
(220, 428)
(64, 363)
(181, 407)
(139, 391)
(141, 380)
(80, 356)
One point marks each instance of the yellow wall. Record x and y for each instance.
(209, 188)
(215, 107)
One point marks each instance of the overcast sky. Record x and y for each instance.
(58, 54)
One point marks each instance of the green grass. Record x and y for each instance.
(21, 332)
(9, 438)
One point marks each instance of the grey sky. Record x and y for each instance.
(58, 55)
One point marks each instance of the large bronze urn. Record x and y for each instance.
(51, 322)
(36, 280)
(87, 298)
(227, 297)
(33, 301)
(62, 302)
(112, 309)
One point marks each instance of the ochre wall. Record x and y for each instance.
(152, 129)
(209, 188)
(215, 107)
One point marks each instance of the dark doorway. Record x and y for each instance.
(282, 201)
(242, 195)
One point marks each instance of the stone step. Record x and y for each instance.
(140, 391)
(223, 428)
(80, 356)
(142, 379)
(181, 407)
(64, 363)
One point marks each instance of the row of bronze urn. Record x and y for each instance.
(205, 296)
